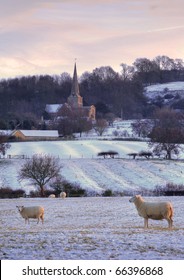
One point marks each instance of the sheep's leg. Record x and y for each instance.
(145, 222)
(42, 218)
(170, 223)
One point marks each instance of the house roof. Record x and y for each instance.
(38, 133)
(53, 108)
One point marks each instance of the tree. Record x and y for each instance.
(127, 71)
(142, 127)
(40, 169)
(100, 126)
(110, 154)
(164, 62)
(167, 134)
(146, 70)
(70, 120)
(3, 144)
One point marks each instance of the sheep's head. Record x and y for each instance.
(20, 208)
(134, 198)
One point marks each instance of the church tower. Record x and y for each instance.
(75, 100)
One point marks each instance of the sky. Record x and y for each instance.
(46, 36)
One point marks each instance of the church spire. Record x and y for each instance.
(75, 85)
(75, 100)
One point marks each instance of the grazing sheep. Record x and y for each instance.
(52, 195)
(153, 210)
(34, 212)
(62, 195)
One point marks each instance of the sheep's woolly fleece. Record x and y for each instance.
(158, 210)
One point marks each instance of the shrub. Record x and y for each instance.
(146, 154)
(73, 189)
(111, 154)
(107, 193)
(169, 189)
(133, 155)
(35, 193)
(7, 192)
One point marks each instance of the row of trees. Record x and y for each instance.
(161, 69)
(23, 100)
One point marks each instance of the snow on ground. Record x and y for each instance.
(89, 228)
(172, 86)
(81, 165)
(176, 88)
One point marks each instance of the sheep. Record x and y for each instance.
(34, 212)
(52, 195)
(153, 210)
(62, 195)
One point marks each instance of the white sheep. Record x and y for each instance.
(153, 210)
(34, 212)
(52, 195)
(62, 195)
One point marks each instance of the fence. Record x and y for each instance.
(17, 157)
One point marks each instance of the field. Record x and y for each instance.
(89, 228)
(81, 165)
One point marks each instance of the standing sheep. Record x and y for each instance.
(34, 212)
(62, 195)
(153, 210)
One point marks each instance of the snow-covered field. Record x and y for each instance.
(172, 86)
(159, 90)
(81, 165)
(89, 228)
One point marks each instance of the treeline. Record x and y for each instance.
(23, 99)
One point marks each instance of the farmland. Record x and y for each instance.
(82, 166)
(89, 228)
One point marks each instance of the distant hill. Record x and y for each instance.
(171, 94)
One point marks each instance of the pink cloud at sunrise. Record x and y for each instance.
(44, 37)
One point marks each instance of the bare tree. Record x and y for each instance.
(164, 62)
(142, 127)
(70, 120)
(40, 169)
(167, 134)
(100, 126)
(127, 72)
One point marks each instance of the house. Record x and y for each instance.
(33, 135)
(74, 102)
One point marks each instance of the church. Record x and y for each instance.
(74, 102)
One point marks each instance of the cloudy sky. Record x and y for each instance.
(45, 36)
